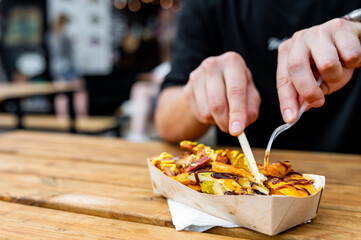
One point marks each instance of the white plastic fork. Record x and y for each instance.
(286, 126)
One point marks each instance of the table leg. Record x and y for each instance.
(71, 112)
(19, 113)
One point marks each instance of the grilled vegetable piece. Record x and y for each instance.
(260, 189)
(183, 178)
(277, 169)
(300, 182)
(280, 187)
(218, 184)
(225, 168)
(212, 187)
(244, 182)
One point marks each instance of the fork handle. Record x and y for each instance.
(305, 104)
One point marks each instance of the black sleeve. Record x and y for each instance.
(193, 43)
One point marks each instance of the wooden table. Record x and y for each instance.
(23, 90)
(62, 186)
(18, 91)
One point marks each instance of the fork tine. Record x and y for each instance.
(286, 126)
(276, 132)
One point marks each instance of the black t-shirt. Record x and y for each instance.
(253, 28)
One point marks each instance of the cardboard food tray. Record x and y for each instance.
(266, 214)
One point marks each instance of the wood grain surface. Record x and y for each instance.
(82, 148)
(21, 90)
(108, 178)
(25, 222)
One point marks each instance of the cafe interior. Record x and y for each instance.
(84, 66)
(80, 157)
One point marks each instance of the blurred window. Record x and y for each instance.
(24, 27)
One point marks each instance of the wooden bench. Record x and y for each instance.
(88, 125)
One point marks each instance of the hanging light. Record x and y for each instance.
(166, 4)
(134, 5)
(120, 4)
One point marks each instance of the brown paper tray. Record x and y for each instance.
(266, 214)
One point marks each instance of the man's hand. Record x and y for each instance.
(221, 91)
(331, 50)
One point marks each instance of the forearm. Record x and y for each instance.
(174, 120)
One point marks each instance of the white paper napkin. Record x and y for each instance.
(191, 219)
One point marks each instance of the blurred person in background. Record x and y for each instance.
(145, 91)
(229, 55)
(62, 69)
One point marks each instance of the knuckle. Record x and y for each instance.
(187, 93)
(316, 30)
(216, 107)
(206, 117)
(232, 57)
(193, 76)
(209, 64)
(328, 65)
(352, 57)
(283, 47)
(298, 35)
(310, 93)
(294, 64)
(337, 23)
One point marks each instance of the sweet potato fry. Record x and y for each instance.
(182, 178)
(225, 168)
(278, 169)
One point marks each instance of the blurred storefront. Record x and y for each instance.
(23, 28)
(113, 41)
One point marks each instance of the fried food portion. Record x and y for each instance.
(277, 169)
(225, 168)
(183, 178)
(199, 161)
(237, 159)
(225, 172)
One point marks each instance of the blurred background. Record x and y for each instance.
(84, 66)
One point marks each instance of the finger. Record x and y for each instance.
(200, 104)
(287, 93)
(189, 96)
(349, 47)
(325, 56)
(301, 75)
(235, 78)
(253, 102)
(216, 95)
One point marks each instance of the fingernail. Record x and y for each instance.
(236, 127)
(288, 115)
